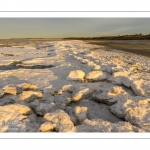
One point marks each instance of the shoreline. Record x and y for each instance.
(139, 47)
(133, 46)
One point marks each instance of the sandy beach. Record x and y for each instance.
(73, 86)
(140, 47)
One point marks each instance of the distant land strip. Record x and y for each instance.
(119, 37)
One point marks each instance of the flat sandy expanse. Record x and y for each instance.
(141, 47)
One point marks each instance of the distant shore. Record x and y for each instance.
(140, 47)
(136, 43)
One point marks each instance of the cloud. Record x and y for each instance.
(66, 27)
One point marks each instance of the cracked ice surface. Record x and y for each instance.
(71, 86)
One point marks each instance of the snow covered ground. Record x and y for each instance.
(70, 86)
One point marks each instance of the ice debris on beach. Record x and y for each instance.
(72, 86)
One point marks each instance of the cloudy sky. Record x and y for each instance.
(71, 27)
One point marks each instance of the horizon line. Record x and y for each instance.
(76, 36)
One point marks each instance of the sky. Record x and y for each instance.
(71, 27)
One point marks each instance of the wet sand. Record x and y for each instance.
(141, 47)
